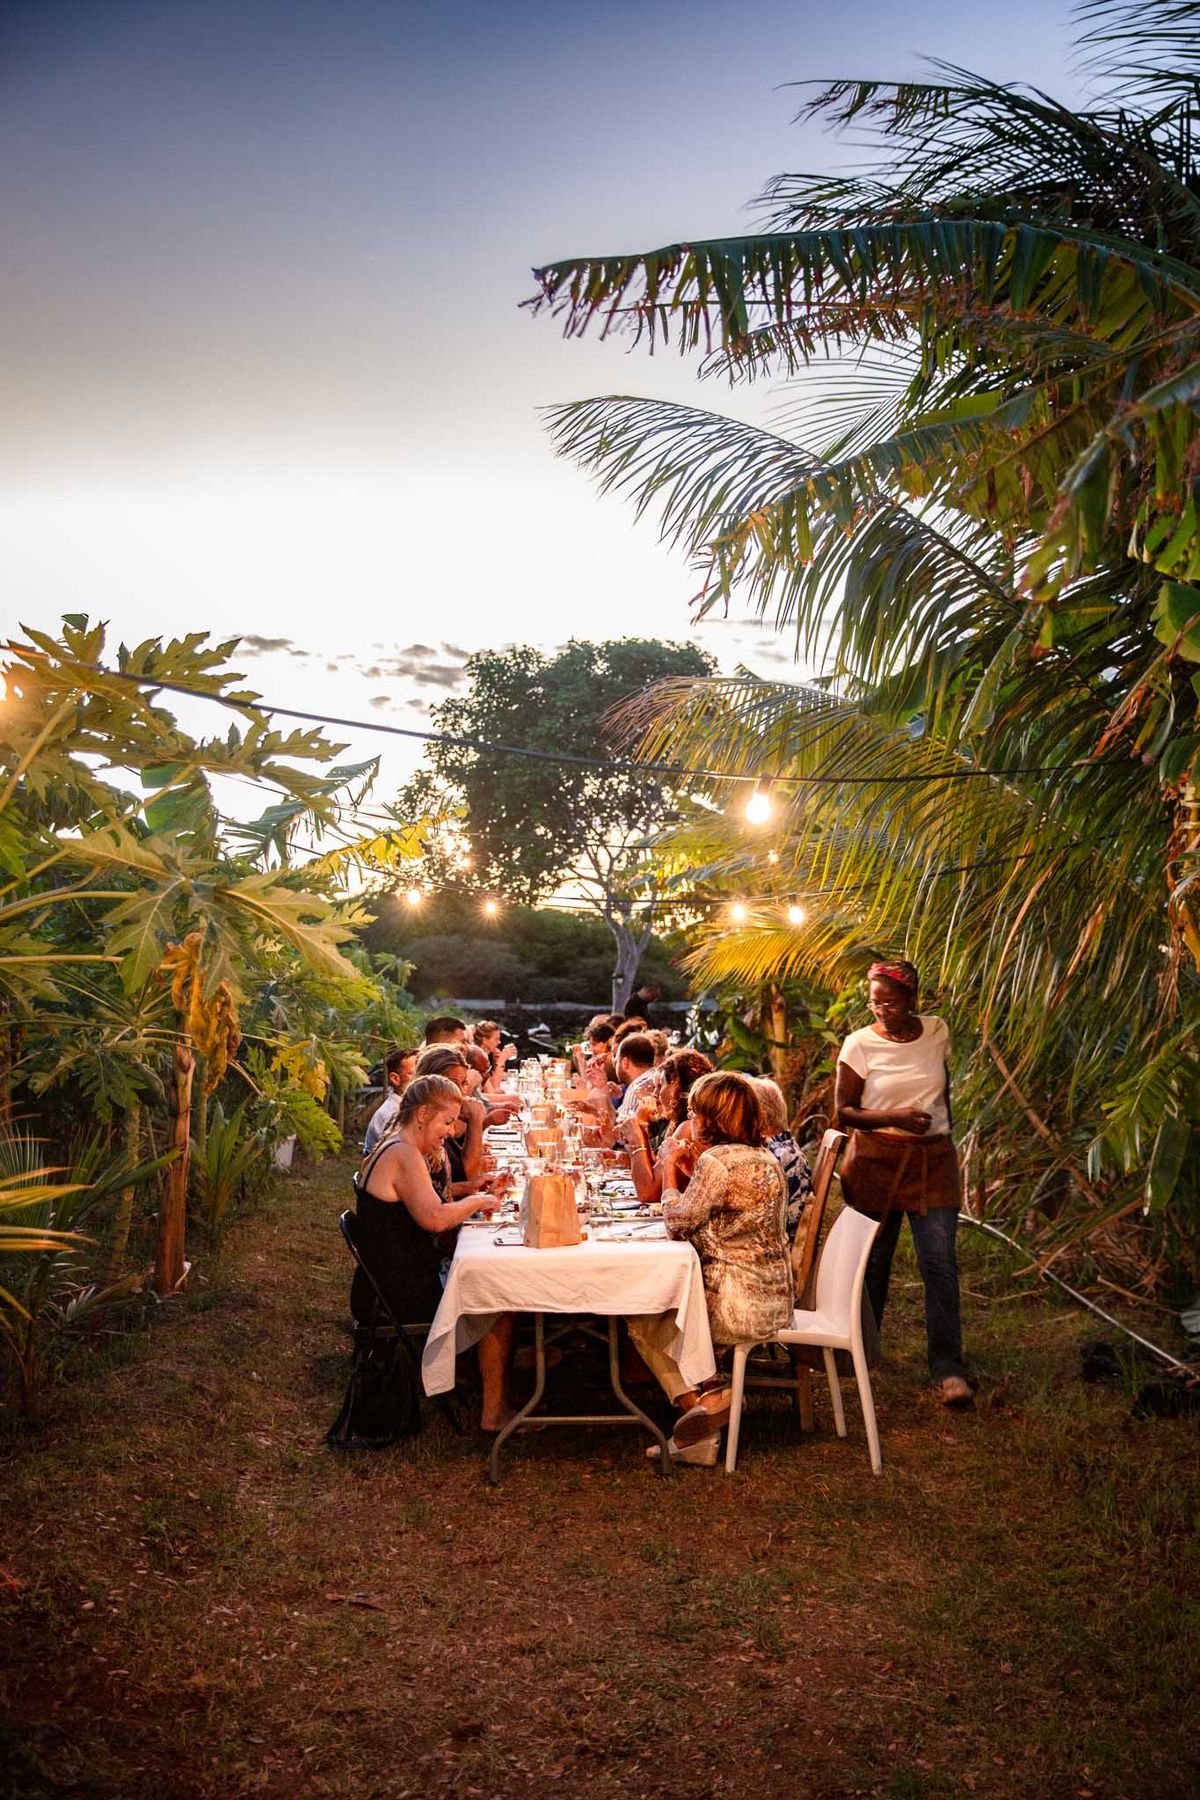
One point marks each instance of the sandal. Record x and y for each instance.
(703, 1421)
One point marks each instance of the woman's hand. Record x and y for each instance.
(678, 1158)
(911, 1118)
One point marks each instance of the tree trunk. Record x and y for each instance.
(778, 1030)
(200, 1104)
(168, 1267)
(131, 1143)
(630, 946)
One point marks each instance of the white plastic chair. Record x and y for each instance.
(834, 1323)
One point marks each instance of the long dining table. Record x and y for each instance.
(625, 1267)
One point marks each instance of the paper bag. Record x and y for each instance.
(549, 1215)
(542, 1140)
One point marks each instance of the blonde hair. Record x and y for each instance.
(427, 1091)
(775, 1113)
(727, 1109)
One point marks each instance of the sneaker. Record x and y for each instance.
(702, 1455)
(954, 1390)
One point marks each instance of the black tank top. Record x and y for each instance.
(404, 1259)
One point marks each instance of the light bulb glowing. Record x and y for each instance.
(758, 807)
(772, 856)
(795, 915)
(414, 896)
(737, 913)
(491, 908)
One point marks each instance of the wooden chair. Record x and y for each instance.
(804, 1257)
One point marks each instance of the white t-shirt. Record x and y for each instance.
(381, 1121)
(899, 1075)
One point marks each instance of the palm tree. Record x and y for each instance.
(978, 518)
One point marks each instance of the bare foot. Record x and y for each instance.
(498, 1420)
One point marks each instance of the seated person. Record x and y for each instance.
(637, 1078)
(784, 1147)
(733, 1212)
(404, 1230)
(399, 1067)
(445, 1029)
(676, 1078)
(596, 1038)
(463, 1147)
(487, 1038)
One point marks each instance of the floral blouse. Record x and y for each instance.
(734, 1213)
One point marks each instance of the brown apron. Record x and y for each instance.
(881, 1174)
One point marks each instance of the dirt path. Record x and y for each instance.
(202, 1600)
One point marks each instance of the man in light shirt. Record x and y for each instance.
(397, 1073)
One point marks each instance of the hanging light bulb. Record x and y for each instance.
(414, 896)
(491, 908)
(796, 915)
(758, 807)
(772, 856)
(738, 913)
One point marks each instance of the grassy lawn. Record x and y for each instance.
(200, 1599)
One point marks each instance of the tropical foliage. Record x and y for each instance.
(165, 967)
(976, 517)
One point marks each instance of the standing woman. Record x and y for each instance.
(893, 1096)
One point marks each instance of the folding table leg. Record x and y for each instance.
(539, 1385)
(614, 1372)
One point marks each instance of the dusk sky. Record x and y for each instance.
(264, 367)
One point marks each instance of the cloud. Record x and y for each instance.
(414, 664)
(453, 650)
(266, 646)
(380, 701)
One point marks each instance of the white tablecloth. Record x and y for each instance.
(625, 1278)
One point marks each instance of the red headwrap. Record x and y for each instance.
(897, 972)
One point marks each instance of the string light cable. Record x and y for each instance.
(494, 747)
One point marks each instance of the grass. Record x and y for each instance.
(200, 1599)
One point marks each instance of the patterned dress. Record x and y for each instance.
(734, 1213)
(797, 1174)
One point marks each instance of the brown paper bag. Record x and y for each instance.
(542, 1140)
(549, 1215)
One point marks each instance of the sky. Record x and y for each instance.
(265, 369)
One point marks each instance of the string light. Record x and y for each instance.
(796, 915)
(738, 913)
(414, 896)
(758, 807)
(491, 908)
(772, 856)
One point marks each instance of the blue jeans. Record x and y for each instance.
(933, 1235)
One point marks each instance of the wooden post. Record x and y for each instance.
(172, 1217)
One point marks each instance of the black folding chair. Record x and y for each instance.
(382, 1331)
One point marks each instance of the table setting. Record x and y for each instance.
(568, 1239)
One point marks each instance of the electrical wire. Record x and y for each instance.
(1049, 1275)
(628, 766)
